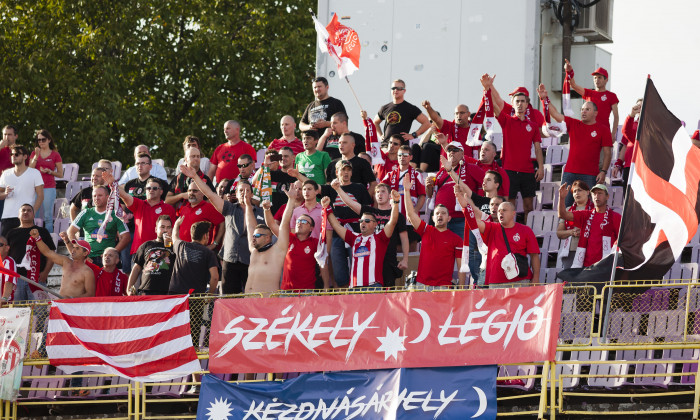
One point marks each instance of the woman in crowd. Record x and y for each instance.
(46, 159)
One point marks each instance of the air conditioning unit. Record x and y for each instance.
(595, 23)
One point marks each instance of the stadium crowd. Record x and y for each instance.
(333, 219)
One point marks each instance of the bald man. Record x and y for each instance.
(225, 158)
(157, 170)
(288, 139)
(456, 130)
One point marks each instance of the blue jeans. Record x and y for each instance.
(125, 257)
(340, 256)
(569, 178)
(456, 225)
(23, 292)
(46, 209)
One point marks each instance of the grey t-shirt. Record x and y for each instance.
(235, 247)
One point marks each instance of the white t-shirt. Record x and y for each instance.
(23, 190)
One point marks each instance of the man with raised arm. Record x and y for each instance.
(605, 100)
(234, 253)
(154, 261)
(522, 130)
(587, 138)
(456, 130)
(78, 279)
(368, 247)
(266, 258)
(440, 248)
(382, 212)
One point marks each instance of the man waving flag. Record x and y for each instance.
(662, 209)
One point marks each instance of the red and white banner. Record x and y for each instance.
(15, 326)
(385, 330)
(143, 338)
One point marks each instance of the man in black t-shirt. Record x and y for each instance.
(399, 115)
(339, 126)
(196, 265)
(361, 169)
(318, 113)
(155, 260)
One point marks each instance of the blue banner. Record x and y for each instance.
(402, 394)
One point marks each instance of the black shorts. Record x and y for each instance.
(521, 182)
(413, 236)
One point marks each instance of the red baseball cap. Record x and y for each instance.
(696, 135)
(82, 244)
(601, 71)
(520, 90)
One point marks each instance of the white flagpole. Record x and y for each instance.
(353, 93)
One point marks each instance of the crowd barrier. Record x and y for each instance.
(631, 348)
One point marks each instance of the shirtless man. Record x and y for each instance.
(78, 279)
(266, 258)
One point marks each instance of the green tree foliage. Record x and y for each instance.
(104, 76)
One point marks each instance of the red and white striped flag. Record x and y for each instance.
(143, 338)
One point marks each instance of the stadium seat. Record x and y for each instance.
(616, 196)
(61, 225)
(548, 195)
(74, 187)
(524, 384)
(542, 222)
(70, 172)
(680, 356)
(57, 207)
(664, 324)
(681, 271)
(623, 325)
(557, 155)
(160, 162)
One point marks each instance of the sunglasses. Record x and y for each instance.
(41, 139)
(367, 220)
(397, 88)
(17, 154)
(257, 235)
(403, 154)
(303, 221)
(152, 188)
(2, 244)
(396, 144)
(243, 165)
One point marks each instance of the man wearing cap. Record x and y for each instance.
(456, 170)
(522, 130)
(605, 100)
(629, 137)
(599, 227)
(695, 138)
(399, 115)
(78, 279)
(587, 137)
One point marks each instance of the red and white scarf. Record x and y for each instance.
(608, 232)
(32, 263)
(372, 144)
(321, 253)
(566, 95)
(484, 118)
(554, 129)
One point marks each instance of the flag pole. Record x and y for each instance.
(353, 93)
(622, 216)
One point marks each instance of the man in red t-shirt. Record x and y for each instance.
(487, 162)
(198, 210)
(521, 240)
(109, 280)
(440, 248)
(288, 139)
(368, 247)
(587, 137)
(522, 131)
(299, 271)
(605, 100)
(223, 161)
(599, 227)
